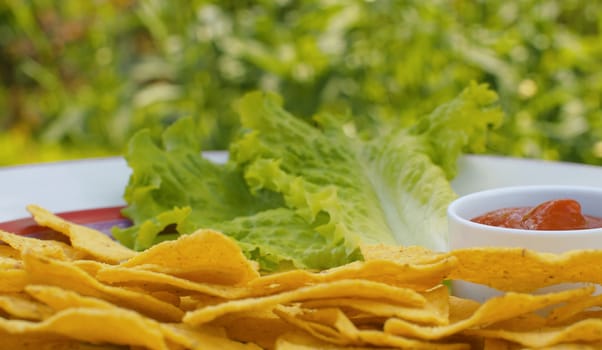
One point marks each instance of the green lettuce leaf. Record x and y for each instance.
(174, 190)
(305, 195)
(392, 189)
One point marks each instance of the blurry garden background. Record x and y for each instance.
(78, 78)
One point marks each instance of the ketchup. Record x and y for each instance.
(555, 215)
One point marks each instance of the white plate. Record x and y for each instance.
(98, 183)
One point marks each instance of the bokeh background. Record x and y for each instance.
(78, 78)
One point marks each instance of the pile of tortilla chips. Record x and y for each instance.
(201, 292)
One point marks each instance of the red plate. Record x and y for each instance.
(102, 219)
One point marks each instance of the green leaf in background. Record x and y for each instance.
(460, 126)
(79, 78)
(301, 194)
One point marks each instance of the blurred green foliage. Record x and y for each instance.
(80, 77)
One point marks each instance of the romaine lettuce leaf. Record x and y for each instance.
(174, 190)
(392, 189)
(306, 195)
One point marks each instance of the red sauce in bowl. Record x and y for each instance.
(554, 215)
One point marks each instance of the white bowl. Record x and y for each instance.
(464, 233)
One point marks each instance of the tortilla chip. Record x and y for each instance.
(13, 280)
(330, 324)
(380, 271)
(461, 308)
(434, 312)
(304, 341)
(402, 254)
(203, 338)
(10, 263)
(522, 322)
(202, 256)
(494, 310)
(333, 327)
(595, 313)
(587, 331)
(404, 275)
(523, 270)
(261, 327)
(573, 346)
(498, 344)
(334, 289)
(214, 298)
(565, 312)
(160, 281)
(91, 267)
(22, 307)
(95, 326)
(61, 299)
(49, 342)
(85, 239)
(379, 338)
(380, 309)
(54, 249)
(43, 270)
(7, 251)
(197, 301)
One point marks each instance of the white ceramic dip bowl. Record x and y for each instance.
(464, 233)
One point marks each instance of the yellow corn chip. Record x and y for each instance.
(407, 275)
(55, 249)
(197, 301)
(571, 346)
(330, 325)
(381, 309)
(7, 251)
(48, 342)
(88, 240)
(61, 299)
(572, 308)
(435, 312)
(498, 344)
(522, 270)
(460, 308)
(494, 310)
(202, 256)
(90, 266)
(43, 270)
(157, 280)
(94, 325)
(402, 254)
(10, 263)
(334, 328)
(587, 331)
(96, 293)
(297, 340)
(203, 338)
(334, 289)
(379, 339)
(261, 327)
(523, 322)
(22, 307)
(13, 280)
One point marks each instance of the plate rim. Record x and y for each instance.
(28, 226)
